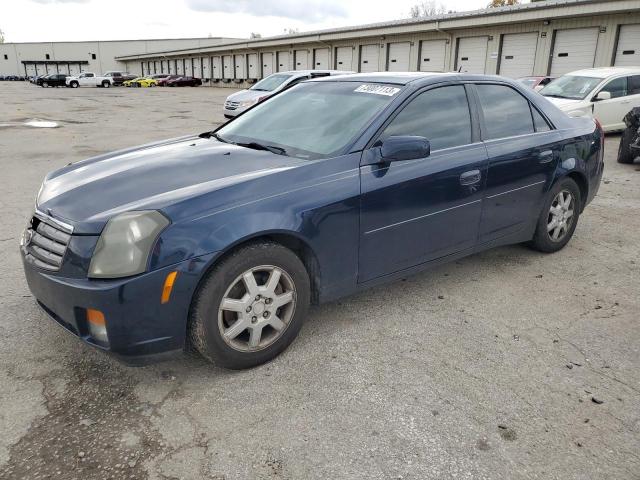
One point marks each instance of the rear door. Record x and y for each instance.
(523, 153)
(416, 211)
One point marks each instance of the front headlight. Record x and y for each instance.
(125, 244)
(248, 103)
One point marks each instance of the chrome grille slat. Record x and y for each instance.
(47, 243)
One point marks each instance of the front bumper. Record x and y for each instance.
(139, 327)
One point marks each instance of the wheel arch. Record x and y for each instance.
(583, 185)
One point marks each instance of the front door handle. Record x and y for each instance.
(546, 156)
(470, 178)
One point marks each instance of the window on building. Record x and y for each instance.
(440, 115)
(47, 56)
(93, 56)
(506, 112)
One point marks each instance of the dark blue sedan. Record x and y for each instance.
(223, 239)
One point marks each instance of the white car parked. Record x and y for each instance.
(607, 94)
(88, 79)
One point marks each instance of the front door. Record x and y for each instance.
(419, 210)
(611, 112)
(523, 153)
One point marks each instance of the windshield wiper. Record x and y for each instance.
(259, 146)
(259, 89)
(557, 96)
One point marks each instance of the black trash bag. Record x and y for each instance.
(630, 142)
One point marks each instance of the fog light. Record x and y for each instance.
(97, 325)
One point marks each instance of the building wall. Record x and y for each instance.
(105, 52)
(608, 26)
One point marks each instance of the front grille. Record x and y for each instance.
(45, 242)
(231, 105)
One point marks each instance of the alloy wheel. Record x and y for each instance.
(257, 308)
(561, 216)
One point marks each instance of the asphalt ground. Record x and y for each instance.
(509, 364)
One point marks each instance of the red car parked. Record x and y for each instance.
(162, 82)
(184, 82)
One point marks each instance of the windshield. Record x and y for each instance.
(311, 120)
(270, 83)
(569, 86)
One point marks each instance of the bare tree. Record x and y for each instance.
(503, 3)
(253, 35)
(427, 8)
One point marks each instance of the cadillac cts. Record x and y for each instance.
(222, 240)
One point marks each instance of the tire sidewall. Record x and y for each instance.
(542, 240)
(209, 296)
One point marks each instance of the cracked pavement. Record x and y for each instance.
(486, 368)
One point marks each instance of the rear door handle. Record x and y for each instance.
(470, 178)
(546, 156)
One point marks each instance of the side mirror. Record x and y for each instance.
(404, 147)
(602, 96)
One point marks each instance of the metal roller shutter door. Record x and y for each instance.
(518, 54)
(432, 55)
(344, 58)
(227, 66)
(398, 57)
(369, 58)
(628, 51)
(267, 64)
(573, 50)
(206, 68)
(472, 54)
(283, 61)
(321, 59)
(252, 65)
(240, 69)
(197, 67)
(302, 60)
(216, 65)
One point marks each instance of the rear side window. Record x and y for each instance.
(539, 121)
(440, 115)
(506, 112)
(634, 85)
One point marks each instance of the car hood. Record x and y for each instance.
(565, 103)
(88, 193)
(244, 95)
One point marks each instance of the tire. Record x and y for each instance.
(207, 320)
(626, 154)
(543, 239)
(106, 84)
(74, 84)
(45, 85)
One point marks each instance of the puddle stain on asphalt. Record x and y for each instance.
(96, 428)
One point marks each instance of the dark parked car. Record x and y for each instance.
(536, 83)
(53, 80)
(184, 82)
(162, 81)
(119, 77)
(222, 239)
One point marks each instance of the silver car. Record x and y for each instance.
(238, 102)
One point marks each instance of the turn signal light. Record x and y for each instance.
(168, 287)
(95, 317)
(97, 325)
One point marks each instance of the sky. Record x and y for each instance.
(69, 20)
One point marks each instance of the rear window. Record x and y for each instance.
(506, 112)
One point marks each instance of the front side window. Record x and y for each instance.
(311, 120)
(570, 86)
(616, 87)
(506, 112)
(440, 115)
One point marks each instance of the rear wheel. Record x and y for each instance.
(45, 84)
(626, 154)
(250, 307)
(74, 84)
(106, 84)
(559, 217)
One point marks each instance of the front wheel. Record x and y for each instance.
(74, 84)
(559, 217)
(250, 307)
(106, 84)
(45, 84)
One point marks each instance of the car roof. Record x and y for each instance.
(604, 72)
(304, 73)
(396, 78)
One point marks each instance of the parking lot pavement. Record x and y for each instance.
(508, 364)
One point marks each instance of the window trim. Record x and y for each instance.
(475, 130)
(532, 105)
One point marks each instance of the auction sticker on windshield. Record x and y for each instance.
(377, 90)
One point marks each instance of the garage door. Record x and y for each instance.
(344, 58)
(518, 54)
(628, 51)
(283, 61)
(432, 55)
(321, 59)
(227, 66)
(240, 68)
(267, 64)
(472, 54)
(369, 58)
(216, 67)
(206, 68)
(302, 60)
(398, 57)
(252, 65)
(197, 67)
(573, 50)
